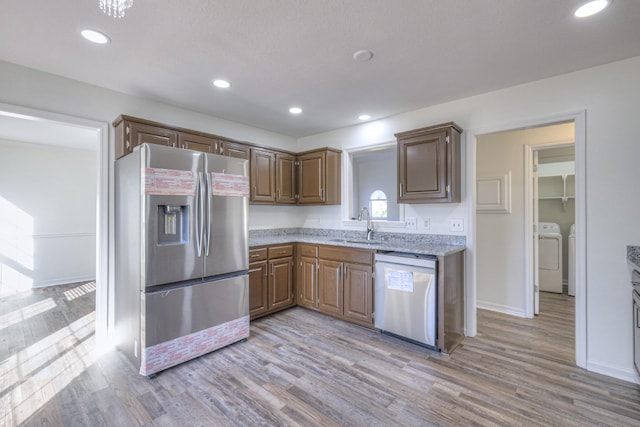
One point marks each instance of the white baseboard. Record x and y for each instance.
(63, 281)
(512, 311)
(629, 375)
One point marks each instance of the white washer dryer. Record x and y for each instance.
(550, 257)
(572, 260)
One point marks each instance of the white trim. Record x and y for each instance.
(103, 209)
(512, 311)
(63, 281)
(579, 119)
(629, 375)
(61, 235)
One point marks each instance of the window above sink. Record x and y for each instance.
(370, 177)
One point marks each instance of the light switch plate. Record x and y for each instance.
(411, 223)
(426, 223)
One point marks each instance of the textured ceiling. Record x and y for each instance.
(279, 53)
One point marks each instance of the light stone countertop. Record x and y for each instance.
(416, 247)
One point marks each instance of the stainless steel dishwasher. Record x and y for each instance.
(405, 296)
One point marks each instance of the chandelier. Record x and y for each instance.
(115, 8)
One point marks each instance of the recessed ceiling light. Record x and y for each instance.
(95, 36)
(591, 8)
(363, 55)
(223, 84)
(364, 117)
(295, 110)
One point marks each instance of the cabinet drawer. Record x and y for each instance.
(308, 250)
(360, 256)
(257, 254)
(280, 251)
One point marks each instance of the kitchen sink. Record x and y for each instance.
(360, 242)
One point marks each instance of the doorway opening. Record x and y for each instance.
(500, 261)
(28, 133)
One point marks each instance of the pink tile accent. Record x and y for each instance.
(170, 353)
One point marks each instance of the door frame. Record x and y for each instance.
(579, 119)
(102, 207)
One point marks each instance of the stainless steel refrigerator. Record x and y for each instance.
(181, 282)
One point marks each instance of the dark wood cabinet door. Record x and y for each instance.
(423, 167)
(330, 287)
(233, 149)
(429, 164)
(285, 178)
(139, 133)
(262, 176)
(197, 142)
(311, 178)
(358, 291)
(281, 283)
(258, 288)
(307, 282)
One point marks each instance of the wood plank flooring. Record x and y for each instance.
(301, 368)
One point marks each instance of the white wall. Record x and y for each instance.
(48, 214)
(500, 238)
(610, 94)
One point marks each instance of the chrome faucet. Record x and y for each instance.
(363, 212)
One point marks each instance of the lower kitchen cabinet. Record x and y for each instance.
(281, 283)
(307, 281)
(330, 287)
(270, 279)
(336, 281)
(358, 292)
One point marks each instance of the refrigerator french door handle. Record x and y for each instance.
(207, 217)
(199, 214)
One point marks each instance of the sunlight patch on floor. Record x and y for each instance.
(25, 313)
(79, 291)
(30, 378)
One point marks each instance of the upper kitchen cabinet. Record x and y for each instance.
(197, 142)
(130, 134)
(429, 164)
(262, 176)
(232, 149)
(319, 177)
(285, 178)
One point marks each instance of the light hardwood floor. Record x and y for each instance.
(303, 368)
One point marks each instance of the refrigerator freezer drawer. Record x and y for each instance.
(185, 323)
(171, 314)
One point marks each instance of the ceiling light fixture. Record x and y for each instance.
(95, 36)
(295, 110)
(591, 8)
(222, 84)
(115, 8)
(363, 55)
(364, 117)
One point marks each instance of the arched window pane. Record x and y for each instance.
(378, 205)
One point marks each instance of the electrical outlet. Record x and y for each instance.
(426, 223)
(456, 224)
(411, 223)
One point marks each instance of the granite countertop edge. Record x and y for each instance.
(633, 255)
(423, 249)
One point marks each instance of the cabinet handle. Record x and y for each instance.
(401, 190)
(254, 191)
(221, 148)
(127, 131)
(278, 194)
(255, 255)
(282, 252)
(322, 193)
(346, 271)
(265, 272)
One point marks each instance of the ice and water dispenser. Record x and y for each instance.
(173, 224)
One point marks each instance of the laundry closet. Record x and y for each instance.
(556, 219)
